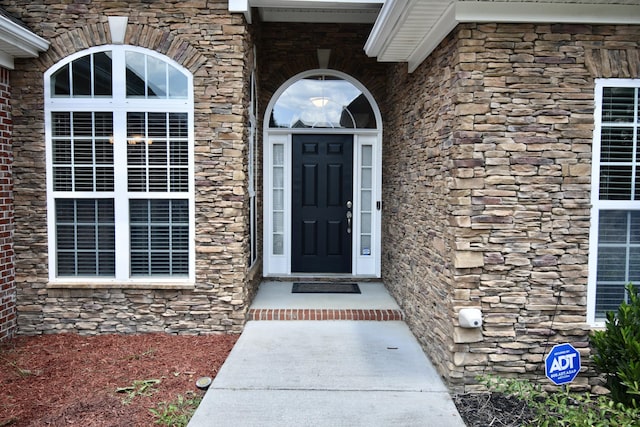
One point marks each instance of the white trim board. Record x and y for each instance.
(550, 11)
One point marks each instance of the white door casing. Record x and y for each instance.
(367, 185)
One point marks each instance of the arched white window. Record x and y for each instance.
(322, 100)
(119, 139)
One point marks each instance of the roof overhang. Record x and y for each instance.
(409, 30)
(311, 11)
(17, 41)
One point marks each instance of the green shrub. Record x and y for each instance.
(617, 351)
(565, 409)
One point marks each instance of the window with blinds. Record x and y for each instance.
(619, 156)
(85, 237)
(617, 205)
(82, 151)
(159, 237)
(157, 152)
(119, 166)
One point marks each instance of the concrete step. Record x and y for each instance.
(276, 301)
(324, 314)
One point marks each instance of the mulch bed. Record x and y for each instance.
(66, 379)
(493, 409)
(72, 380)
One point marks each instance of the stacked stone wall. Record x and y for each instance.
(215, 46)
(7, 269)
(514, 214)
(417, 242)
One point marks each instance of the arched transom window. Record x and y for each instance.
(322, 101)
(119, 130)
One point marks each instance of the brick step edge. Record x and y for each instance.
(323, 314)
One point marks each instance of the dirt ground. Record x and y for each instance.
(56, 380)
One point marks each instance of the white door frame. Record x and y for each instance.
(366, 261)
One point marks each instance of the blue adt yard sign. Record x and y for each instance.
(562, 364)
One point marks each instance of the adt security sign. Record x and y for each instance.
(562, 364)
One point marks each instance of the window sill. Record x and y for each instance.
(121, 285)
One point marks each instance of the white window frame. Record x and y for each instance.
(119, 105)
(598, 205)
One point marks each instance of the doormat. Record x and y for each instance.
(325, 288)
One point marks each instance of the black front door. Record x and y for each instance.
(322, 197)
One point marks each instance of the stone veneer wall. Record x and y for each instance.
(213, 45)
(7, 269)
(417, 152)
(487, 163)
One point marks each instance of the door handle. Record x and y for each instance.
(349, 216)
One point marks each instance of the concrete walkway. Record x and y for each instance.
(326, 373)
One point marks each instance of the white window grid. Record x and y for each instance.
(119, 105)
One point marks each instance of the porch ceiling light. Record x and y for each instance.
(319, 101)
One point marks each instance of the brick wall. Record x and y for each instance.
(487, 162)
(7, 270)
(215, 47)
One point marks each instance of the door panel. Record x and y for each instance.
(310, 186)
(334, 246)
(322, 184)
(309, 238)
(335, 198)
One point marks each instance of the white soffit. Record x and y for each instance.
(312, 11)
(409, 30)
(17, 41)
(359, 16)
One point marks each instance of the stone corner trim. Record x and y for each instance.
(466, 335)
(468, 259)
